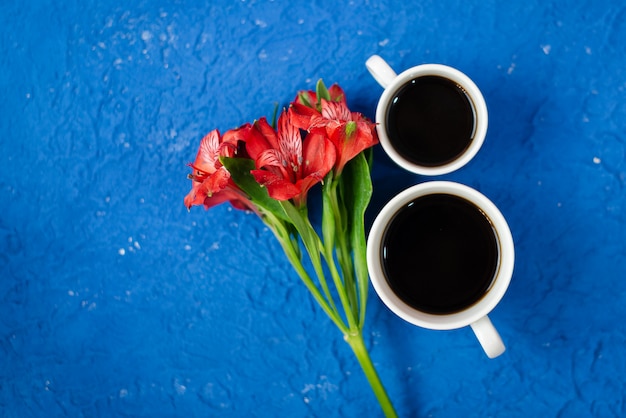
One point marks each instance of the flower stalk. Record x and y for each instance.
(355, 340)
(269, 169)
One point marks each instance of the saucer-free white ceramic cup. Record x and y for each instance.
(474, 315)
(393, 83)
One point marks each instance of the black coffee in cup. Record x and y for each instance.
(439, 253)
(430, 121)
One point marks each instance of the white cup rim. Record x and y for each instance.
(478, 104)
(470, 314)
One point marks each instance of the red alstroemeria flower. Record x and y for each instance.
(350, 132)
(306, 105)
(211, 182)
(287, 165)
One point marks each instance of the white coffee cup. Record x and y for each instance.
(394, 83)
(475, 313)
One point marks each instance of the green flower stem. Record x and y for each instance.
(353, 332)
(355, 340)
(335, 243)
(319, 269)
(355, 191)
(331, 238)
(343, 249)
(341, 291)
(345, 199)
(290, 248)
(300, 221)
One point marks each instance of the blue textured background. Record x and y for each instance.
(114, 300)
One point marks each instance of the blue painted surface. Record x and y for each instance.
(114, 301)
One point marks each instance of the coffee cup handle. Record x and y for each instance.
(380, 70)
(488, 337)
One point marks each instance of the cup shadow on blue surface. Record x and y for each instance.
(548, 253)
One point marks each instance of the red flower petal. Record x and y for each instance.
(336, 93)
(302, 115)
(233, 139)
(277, 187)
(350, 139)
(208, 152)
(211, 182)
(319, 155)
(336, 111)
(260, 138)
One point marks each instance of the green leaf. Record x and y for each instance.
(274, 115)
(305, 230)
(322, 92)
(369, 156)
(239, 169)
(305, 100)
(328, 215)
(357, 192)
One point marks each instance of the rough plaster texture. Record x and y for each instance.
(114, 301)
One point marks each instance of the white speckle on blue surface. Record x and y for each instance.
(323, 388)
(90, 306)
(121, 251)
(546, 49)
(596, 160)
(511, 68)
(180, 388)
(383, 42)
(146, 35)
